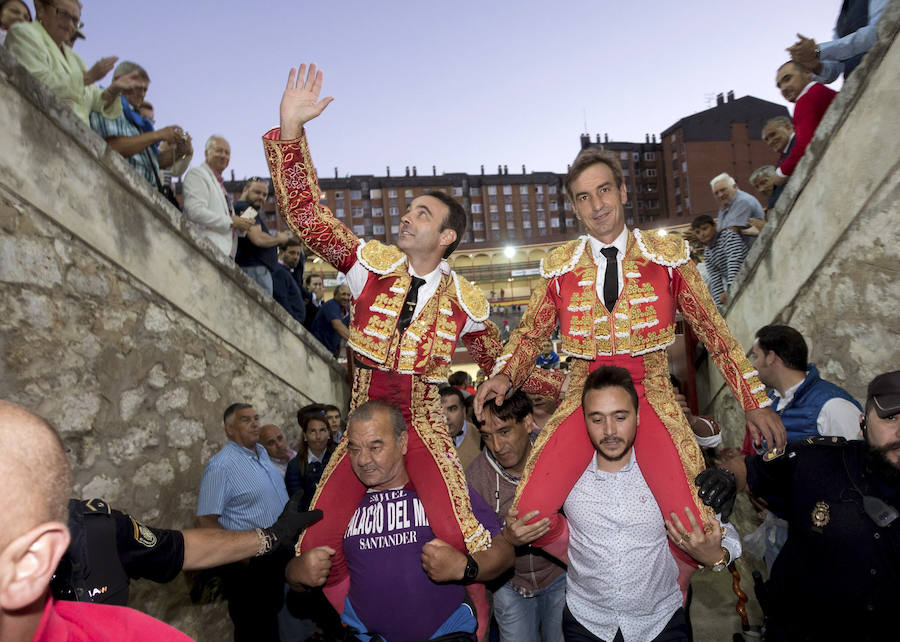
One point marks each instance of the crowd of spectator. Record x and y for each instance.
(255, 492)
(802, 81)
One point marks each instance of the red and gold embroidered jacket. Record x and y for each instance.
(457, 310)
(659, 277)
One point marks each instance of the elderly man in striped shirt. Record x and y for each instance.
(241, 490)
(723, 255)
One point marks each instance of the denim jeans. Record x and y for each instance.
(260, 274)
(531, 619)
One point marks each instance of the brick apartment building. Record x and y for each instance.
(725, 138)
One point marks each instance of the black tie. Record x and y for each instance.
(409, 305)
(611, 280)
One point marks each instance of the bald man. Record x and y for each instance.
(33, 538)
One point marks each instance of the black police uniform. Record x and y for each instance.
(108, 549)
(838, 575)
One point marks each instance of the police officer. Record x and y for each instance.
(838, 575)
(109, 548)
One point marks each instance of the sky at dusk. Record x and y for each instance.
(452, 84)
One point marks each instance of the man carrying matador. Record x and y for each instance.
(409, 312)
(614, 293)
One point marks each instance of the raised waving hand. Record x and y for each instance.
(300, 102)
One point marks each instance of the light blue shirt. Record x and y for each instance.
(833, 53)
(242, 487)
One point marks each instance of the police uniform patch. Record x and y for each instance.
(821, 515)
(143, 535)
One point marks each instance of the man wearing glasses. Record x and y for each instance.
(41, 48)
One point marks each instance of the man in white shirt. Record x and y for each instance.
(622, 579)
(808, 405)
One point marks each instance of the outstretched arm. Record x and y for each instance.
(293, 174)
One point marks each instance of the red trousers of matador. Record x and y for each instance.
(431, 462)
(665, 448)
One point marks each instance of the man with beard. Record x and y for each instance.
(837, 576)
(256, 254)
(284, 287)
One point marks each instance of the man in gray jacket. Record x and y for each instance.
(529, 606)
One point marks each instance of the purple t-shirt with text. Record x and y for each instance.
(389, 590)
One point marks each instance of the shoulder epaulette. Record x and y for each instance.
(91, 506)
(825, 441)
(379, 258)
(669, 250)
(471, 298)
(564, 258)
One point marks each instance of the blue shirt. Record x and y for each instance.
(321, 325)
(242, 487)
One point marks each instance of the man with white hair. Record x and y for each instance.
(206, 203)
(33, 538)
(736, 207)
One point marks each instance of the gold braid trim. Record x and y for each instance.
(661, 397)
(296, 190)
(517, 360)
(571, 403)
(429, 423)
(698, 309)
(360, 394)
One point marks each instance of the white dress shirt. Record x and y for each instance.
(358, 276)
(620, 244)
(622, 575)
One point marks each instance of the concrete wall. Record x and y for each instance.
(828, 261)
(128, 331)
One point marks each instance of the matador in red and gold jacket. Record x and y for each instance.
(404, 368)
(658, 278)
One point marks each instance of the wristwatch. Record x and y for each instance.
(723, 561)
(471, 571)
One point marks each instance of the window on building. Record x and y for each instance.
(493, 208)
(495, 226)
(650, 173)
(525, 207)
(395, 229)
(649, 156)
(492, 189)
(476, 208)
(357, 212)
(374, 193)
(523, 189)
(378, 229)
(477, 225)
(635, 157)
(339, 196)
(392, 193)
(359, 230)
(623, 156)
(474, 191)
(570, 223)
(687, 202)
(408, 193)
(457, 191)
(542, 224)
(507, 189)
(355, 195)
(551, 189)
(479, 239)
(339, 212)
(625, 172)
(508, 207)
(554, 222)
(684, 166)
(526, 223)
(554, 206)
(377, 211)
(394, 211)
(538, 189)
(492, 200)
